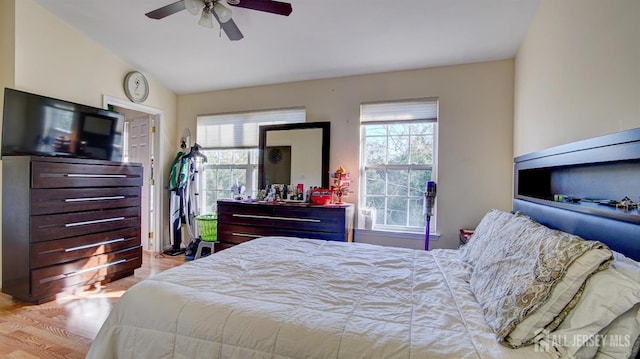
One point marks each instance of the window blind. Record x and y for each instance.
(407, 110)
(241, 129)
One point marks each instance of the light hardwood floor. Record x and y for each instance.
(65, 327)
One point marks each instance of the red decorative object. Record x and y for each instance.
(321, 196)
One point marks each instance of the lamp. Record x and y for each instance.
(193, 6)
(223, 12)
(206, 19)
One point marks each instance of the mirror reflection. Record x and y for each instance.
(294, 154)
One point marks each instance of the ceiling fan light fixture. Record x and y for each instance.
(206, 20)
(193, 6)
(223, 12)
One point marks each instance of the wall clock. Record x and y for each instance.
(136, 86)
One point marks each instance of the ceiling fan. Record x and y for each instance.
(210, 9)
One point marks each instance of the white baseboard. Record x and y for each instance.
(393, 239)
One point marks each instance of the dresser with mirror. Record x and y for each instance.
(288, 154)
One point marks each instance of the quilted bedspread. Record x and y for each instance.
(278, 297)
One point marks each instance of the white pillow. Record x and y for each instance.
(626, 266)
(623, 329)
(561, 297)
(607, 295)
(525, 275)
(620, 338)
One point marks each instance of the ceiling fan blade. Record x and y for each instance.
(166, 10)
(230, 28)
(274, 7)
(232, 31)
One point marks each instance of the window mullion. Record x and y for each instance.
(407, 201)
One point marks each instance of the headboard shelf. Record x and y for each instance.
(602, 169)
(569, 188)
(631, 216)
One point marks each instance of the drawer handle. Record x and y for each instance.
(246, 235)
(96, 267)
(67, 275)
(83, 175)
(294, 219)
(93, 199)
(75, 224)
(93, 245)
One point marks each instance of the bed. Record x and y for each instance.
(518, 289)
(279, 297)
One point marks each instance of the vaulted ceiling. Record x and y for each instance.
(320, 39)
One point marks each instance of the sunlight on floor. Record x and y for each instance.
(87, 310)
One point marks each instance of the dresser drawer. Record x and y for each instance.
(70, 175)
(285, 217)
(236, 234)
(63, 200)
(70, 249)
(241, 221)
(85, 271)
(57, 226)
(68, 222)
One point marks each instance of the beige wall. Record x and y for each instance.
(53, 59)
(7, 46)
(577, 73)
(475, 131)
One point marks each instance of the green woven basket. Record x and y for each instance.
(208, 225)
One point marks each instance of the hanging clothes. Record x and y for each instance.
(190, 205)
(182, 194)
(177, 183)
(179, 171)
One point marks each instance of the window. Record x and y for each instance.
(225, 172)
(398, 157)
(230, 142)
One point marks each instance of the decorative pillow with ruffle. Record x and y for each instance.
(526, 276)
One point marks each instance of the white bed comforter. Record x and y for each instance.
(277, 297)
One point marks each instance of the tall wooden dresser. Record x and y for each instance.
(67, 223)
(241, 221)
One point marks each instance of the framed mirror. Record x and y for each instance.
(294, 153)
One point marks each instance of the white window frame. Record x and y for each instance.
(250, 168)
(391, 112)
(239, 131)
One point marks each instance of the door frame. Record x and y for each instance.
(145, 130)
(158, 164)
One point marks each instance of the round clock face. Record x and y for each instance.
(136, 86)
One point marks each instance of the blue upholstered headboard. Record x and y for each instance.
(598, 169)
(620, 236)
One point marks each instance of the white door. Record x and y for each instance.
(139, 150)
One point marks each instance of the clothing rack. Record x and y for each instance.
(183, 185)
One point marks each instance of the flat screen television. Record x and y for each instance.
(38, 125)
